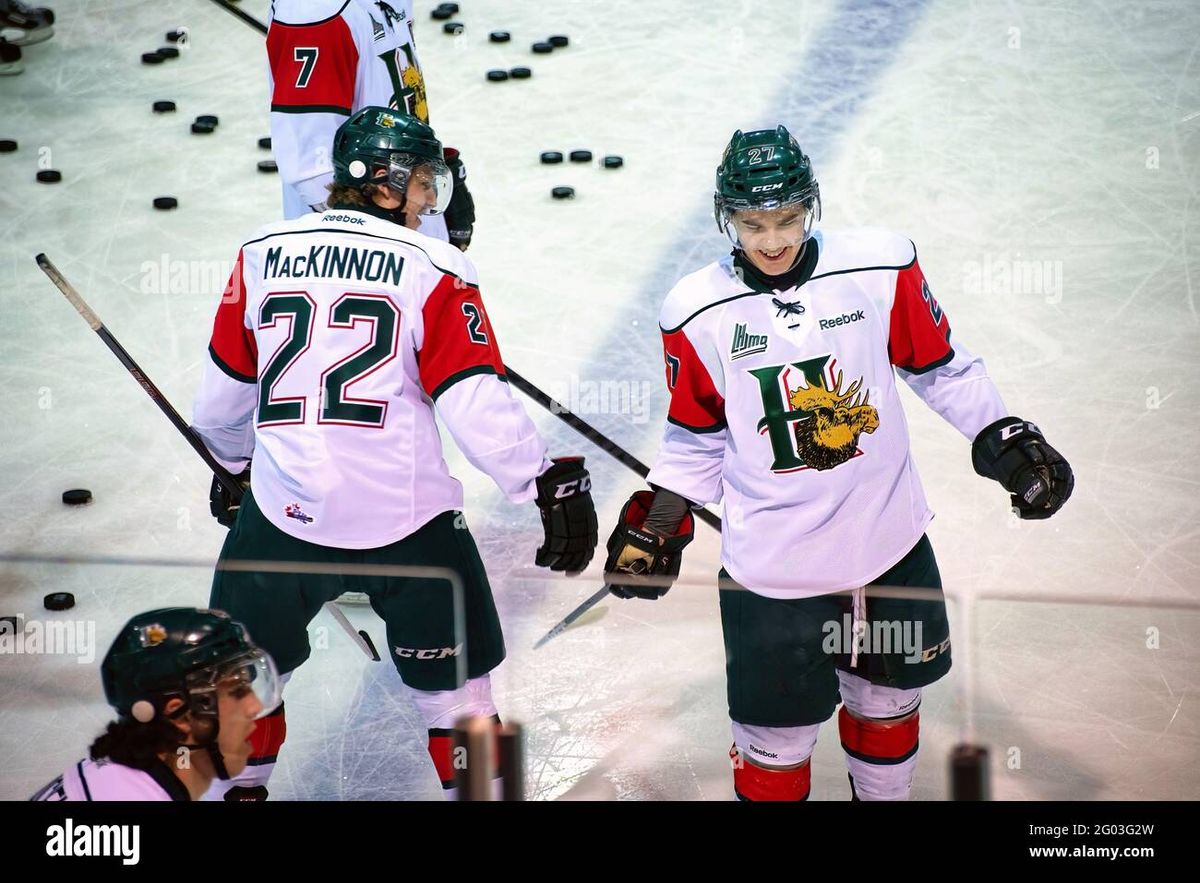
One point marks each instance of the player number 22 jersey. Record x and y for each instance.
(335, 338)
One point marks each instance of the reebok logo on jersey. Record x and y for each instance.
(843, 319)
(746, 344)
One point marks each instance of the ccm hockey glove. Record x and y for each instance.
(460, 213)
(1013, 452)
(224, 505)
(564, 498)
(638, 551)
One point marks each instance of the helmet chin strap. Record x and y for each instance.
(218, 760)
(210, 746)
(394, 215)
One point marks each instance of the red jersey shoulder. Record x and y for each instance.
(695, 402)
(919, 331)
(232, 346)
(458, 339)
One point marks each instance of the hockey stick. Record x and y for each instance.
(360, 637)
(572, 616)
(595, 436)
(228, 481)
(244, 16)
(609, 446)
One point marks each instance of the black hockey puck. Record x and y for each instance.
(59, 601)
(168, 51)
(49, 176)
(202, 129)
(550, 157)
(267, 165)
(265, 143)
(541, 48)
(454, 28)
(164, 203)
(77, 497)
(176, 35)
(563, 192)
(441, 13)
(151, 58)
(499, 36)
(520, 73)
(558, 41)
(497, 76)
(613, 162)
(7, 145)
(208, 119)
(164, 107)
(581, 156)
(453, 7)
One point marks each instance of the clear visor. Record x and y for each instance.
(253, 670)
(774, 216)
(428, 183)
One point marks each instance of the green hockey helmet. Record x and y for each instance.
(184, 653)
(761, 171)
(377, 140)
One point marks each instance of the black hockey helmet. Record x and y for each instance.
(379, 139)
(764, 170)
(183, 653)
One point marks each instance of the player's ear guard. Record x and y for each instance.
(568, 516)
(642, 563)
(1014, 452)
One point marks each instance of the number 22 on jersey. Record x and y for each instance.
(298, 309)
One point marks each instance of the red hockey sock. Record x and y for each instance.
(753, 782)
(880, 754)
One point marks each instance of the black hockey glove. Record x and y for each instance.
(635, 550)
(460, 213)
(221, 502)
(1013, 452)
(564, 498)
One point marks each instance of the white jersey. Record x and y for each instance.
(327, 59)
(334, 339)
(784, 404)
(105, 780)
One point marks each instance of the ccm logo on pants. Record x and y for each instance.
(431, 653)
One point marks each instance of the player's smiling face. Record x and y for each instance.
(421, 195)
(771, 239)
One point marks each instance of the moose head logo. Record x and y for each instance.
(811, 422)
(830, 437)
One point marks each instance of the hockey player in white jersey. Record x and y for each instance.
(781, 361)
(337, 336)
(328, 59)
(188, 686)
